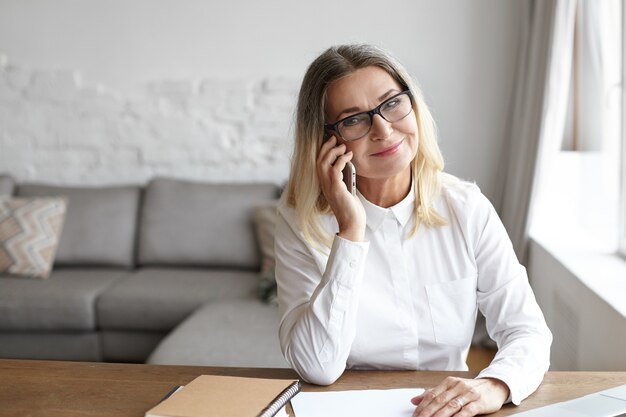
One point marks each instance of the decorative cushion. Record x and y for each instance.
(29, 234)
(265, 225)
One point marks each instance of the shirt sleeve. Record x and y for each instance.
(318, 308)
(513, 317)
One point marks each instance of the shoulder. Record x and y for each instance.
(286, 212)
(457, 191)
(287, 223)
(288, 217)
(463, 198)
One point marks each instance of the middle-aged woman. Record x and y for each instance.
(392, 278)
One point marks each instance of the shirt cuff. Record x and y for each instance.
(347, 255)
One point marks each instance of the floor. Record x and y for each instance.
(479, 358)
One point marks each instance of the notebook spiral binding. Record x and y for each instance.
(280, 400)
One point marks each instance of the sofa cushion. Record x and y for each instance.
(201, 224)
(133, 346)
(100, 224)
(63, 346)
(29, 235)
(157, 299)
(65, 301)
(7, 184)
(240, 333)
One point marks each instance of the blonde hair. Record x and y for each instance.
(303, 191)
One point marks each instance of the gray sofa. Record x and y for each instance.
(165, 273)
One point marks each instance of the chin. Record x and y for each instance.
(386, 172)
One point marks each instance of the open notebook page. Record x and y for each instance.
(362, 403)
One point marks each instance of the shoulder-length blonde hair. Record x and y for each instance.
(304, 192)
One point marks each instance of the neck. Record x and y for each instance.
(386, 192)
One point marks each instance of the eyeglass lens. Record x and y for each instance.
(358, 125)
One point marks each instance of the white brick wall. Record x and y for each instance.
(57, 129)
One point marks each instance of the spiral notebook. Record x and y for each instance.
(227, 396)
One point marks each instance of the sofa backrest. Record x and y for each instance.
(6, 184)
(200, 224)
(100, 225)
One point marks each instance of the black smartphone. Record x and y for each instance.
(349, 177)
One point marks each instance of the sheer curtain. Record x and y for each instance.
(538, 112)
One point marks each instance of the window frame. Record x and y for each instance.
(622, 210)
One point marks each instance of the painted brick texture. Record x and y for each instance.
(57, 129)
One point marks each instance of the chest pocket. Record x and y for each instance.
(453, 310)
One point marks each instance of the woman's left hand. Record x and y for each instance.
(461, 397)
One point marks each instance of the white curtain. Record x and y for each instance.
(538, 112)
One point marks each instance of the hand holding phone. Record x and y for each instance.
(349, 212)
(349, 177)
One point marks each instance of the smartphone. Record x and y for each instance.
(349, 177)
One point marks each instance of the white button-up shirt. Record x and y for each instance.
(398, 301)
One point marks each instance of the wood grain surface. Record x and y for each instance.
(65, 389)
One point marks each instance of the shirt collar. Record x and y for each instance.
(401, 211)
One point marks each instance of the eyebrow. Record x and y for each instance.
(352, 110)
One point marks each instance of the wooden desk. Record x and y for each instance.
(65, 389)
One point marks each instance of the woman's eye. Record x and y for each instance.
(352, 121)
(391, 103)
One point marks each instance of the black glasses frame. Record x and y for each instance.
(335, 126)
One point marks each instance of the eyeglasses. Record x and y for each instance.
(358, 125)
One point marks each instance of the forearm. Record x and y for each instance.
(316, 335)
(524, 341)
(521, 364)
(317, 343)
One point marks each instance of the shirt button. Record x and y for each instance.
(352, 264)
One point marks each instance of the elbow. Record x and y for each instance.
(313, 371)
(315, 365)
(548, 337)
(321, 376)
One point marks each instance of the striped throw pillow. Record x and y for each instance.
(265, 222)
(29, 235)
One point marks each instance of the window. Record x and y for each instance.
(582, 198)
(622, 211)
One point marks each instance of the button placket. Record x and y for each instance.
(393, 236)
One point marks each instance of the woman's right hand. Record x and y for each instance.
(347, 208)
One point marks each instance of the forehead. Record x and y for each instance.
(360, 89)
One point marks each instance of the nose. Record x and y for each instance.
(381, 129)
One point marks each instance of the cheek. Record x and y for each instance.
(358, 157)
(357, 149)
(350, 146)
(408, 125)
(354, 147)
(411, 130)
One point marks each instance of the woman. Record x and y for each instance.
(391, 278)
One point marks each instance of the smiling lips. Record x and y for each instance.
(390, 150)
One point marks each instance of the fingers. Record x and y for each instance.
(431, 400)
(329, 152)
(346, 207)
(326, 146)
(470, 410)
(330, 162)
(454, 397)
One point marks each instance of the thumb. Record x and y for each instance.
(417, 400)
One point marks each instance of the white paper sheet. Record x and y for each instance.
(362, 403)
